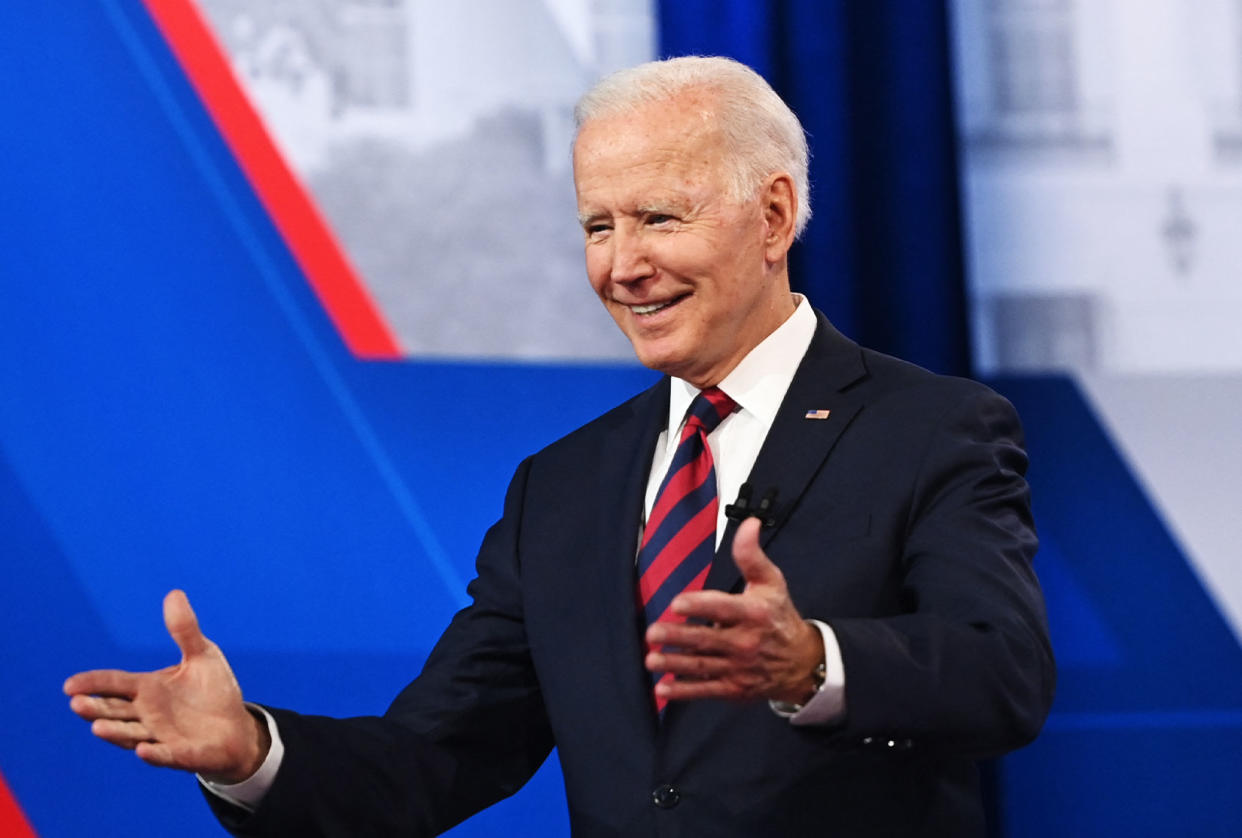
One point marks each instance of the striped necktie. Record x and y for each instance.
(680, 537)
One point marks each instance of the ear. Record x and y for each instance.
(780, 209)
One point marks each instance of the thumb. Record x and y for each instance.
(183, 625)
(756, 567)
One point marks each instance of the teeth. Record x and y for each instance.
(648, 309)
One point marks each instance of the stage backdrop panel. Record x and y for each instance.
(1102, 184)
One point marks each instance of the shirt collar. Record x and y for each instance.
(759, 382)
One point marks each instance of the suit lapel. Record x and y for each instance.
(623, 483)
(796, 447)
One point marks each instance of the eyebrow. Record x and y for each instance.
(658, 208)
(648, 208)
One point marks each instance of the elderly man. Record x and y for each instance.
(827, 655)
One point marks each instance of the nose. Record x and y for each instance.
(630, 259)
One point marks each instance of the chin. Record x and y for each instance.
(673, 353)
(664, 362)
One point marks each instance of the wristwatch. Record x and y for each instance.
(819, 676)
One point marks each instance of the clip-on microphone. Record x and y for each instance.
(741, 509)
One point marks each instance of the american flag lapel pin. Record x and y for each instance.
(817, 414)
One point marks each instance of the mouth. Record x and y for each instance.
(651, 308)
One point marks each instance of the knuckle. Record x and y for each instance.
(747, 644)
(755, 610)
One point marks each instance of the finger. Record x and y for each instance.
(92, 707)
(689, 666)
(114, 682)
(711, 607)
(756, 567)
(685, 636)
(183, 625)
(157, 754)
(684, 690)
(121, 734)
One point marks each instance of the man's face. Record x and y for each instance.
(685, 271)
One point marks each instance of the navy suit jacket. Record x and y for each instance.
(902, 520)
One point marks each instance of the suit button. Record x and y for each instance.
(666, 796)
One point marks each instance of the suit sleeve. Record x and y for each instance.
(966, 666)
(469, 731)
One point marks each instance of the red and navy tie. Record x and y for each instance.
(680, 537)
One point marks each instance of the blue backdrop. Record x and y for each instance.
(178, 411)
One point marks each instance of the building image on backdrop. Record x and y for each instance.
(1102, 180)
(419, 145)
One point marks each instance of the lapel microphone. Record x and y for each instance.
(741, 509)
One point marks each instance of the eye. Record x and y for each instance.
(596, 229)
(658, 218)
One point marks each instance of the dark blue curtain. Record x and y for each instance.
(870, 80)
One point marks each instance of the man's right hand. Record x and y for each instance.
(189, 716)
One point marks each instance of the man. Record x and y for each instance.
(834, 668)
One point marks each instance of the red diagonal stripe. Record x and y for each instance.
(294, 213)
(697, 530)
(13, 823)
(670, 497)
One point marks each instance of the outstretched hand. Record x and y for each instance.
(746, 646)
(189, 716)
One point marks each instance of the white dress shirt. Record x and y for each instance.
(758, 385)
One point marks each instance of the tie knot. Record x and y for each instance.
(708, 409)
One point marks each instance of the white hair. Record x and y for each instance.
(761, 132)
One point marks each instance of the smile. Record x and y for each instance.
(652, 308)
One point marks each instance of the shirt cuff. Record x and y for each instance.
(249, 793)
(828, 703)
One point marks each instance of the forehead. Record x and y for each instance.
(672, 147)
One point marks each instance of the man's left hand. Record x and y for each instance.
(746, 646)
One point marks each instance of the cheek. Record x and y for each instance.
(597, 269)
(694, 258)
